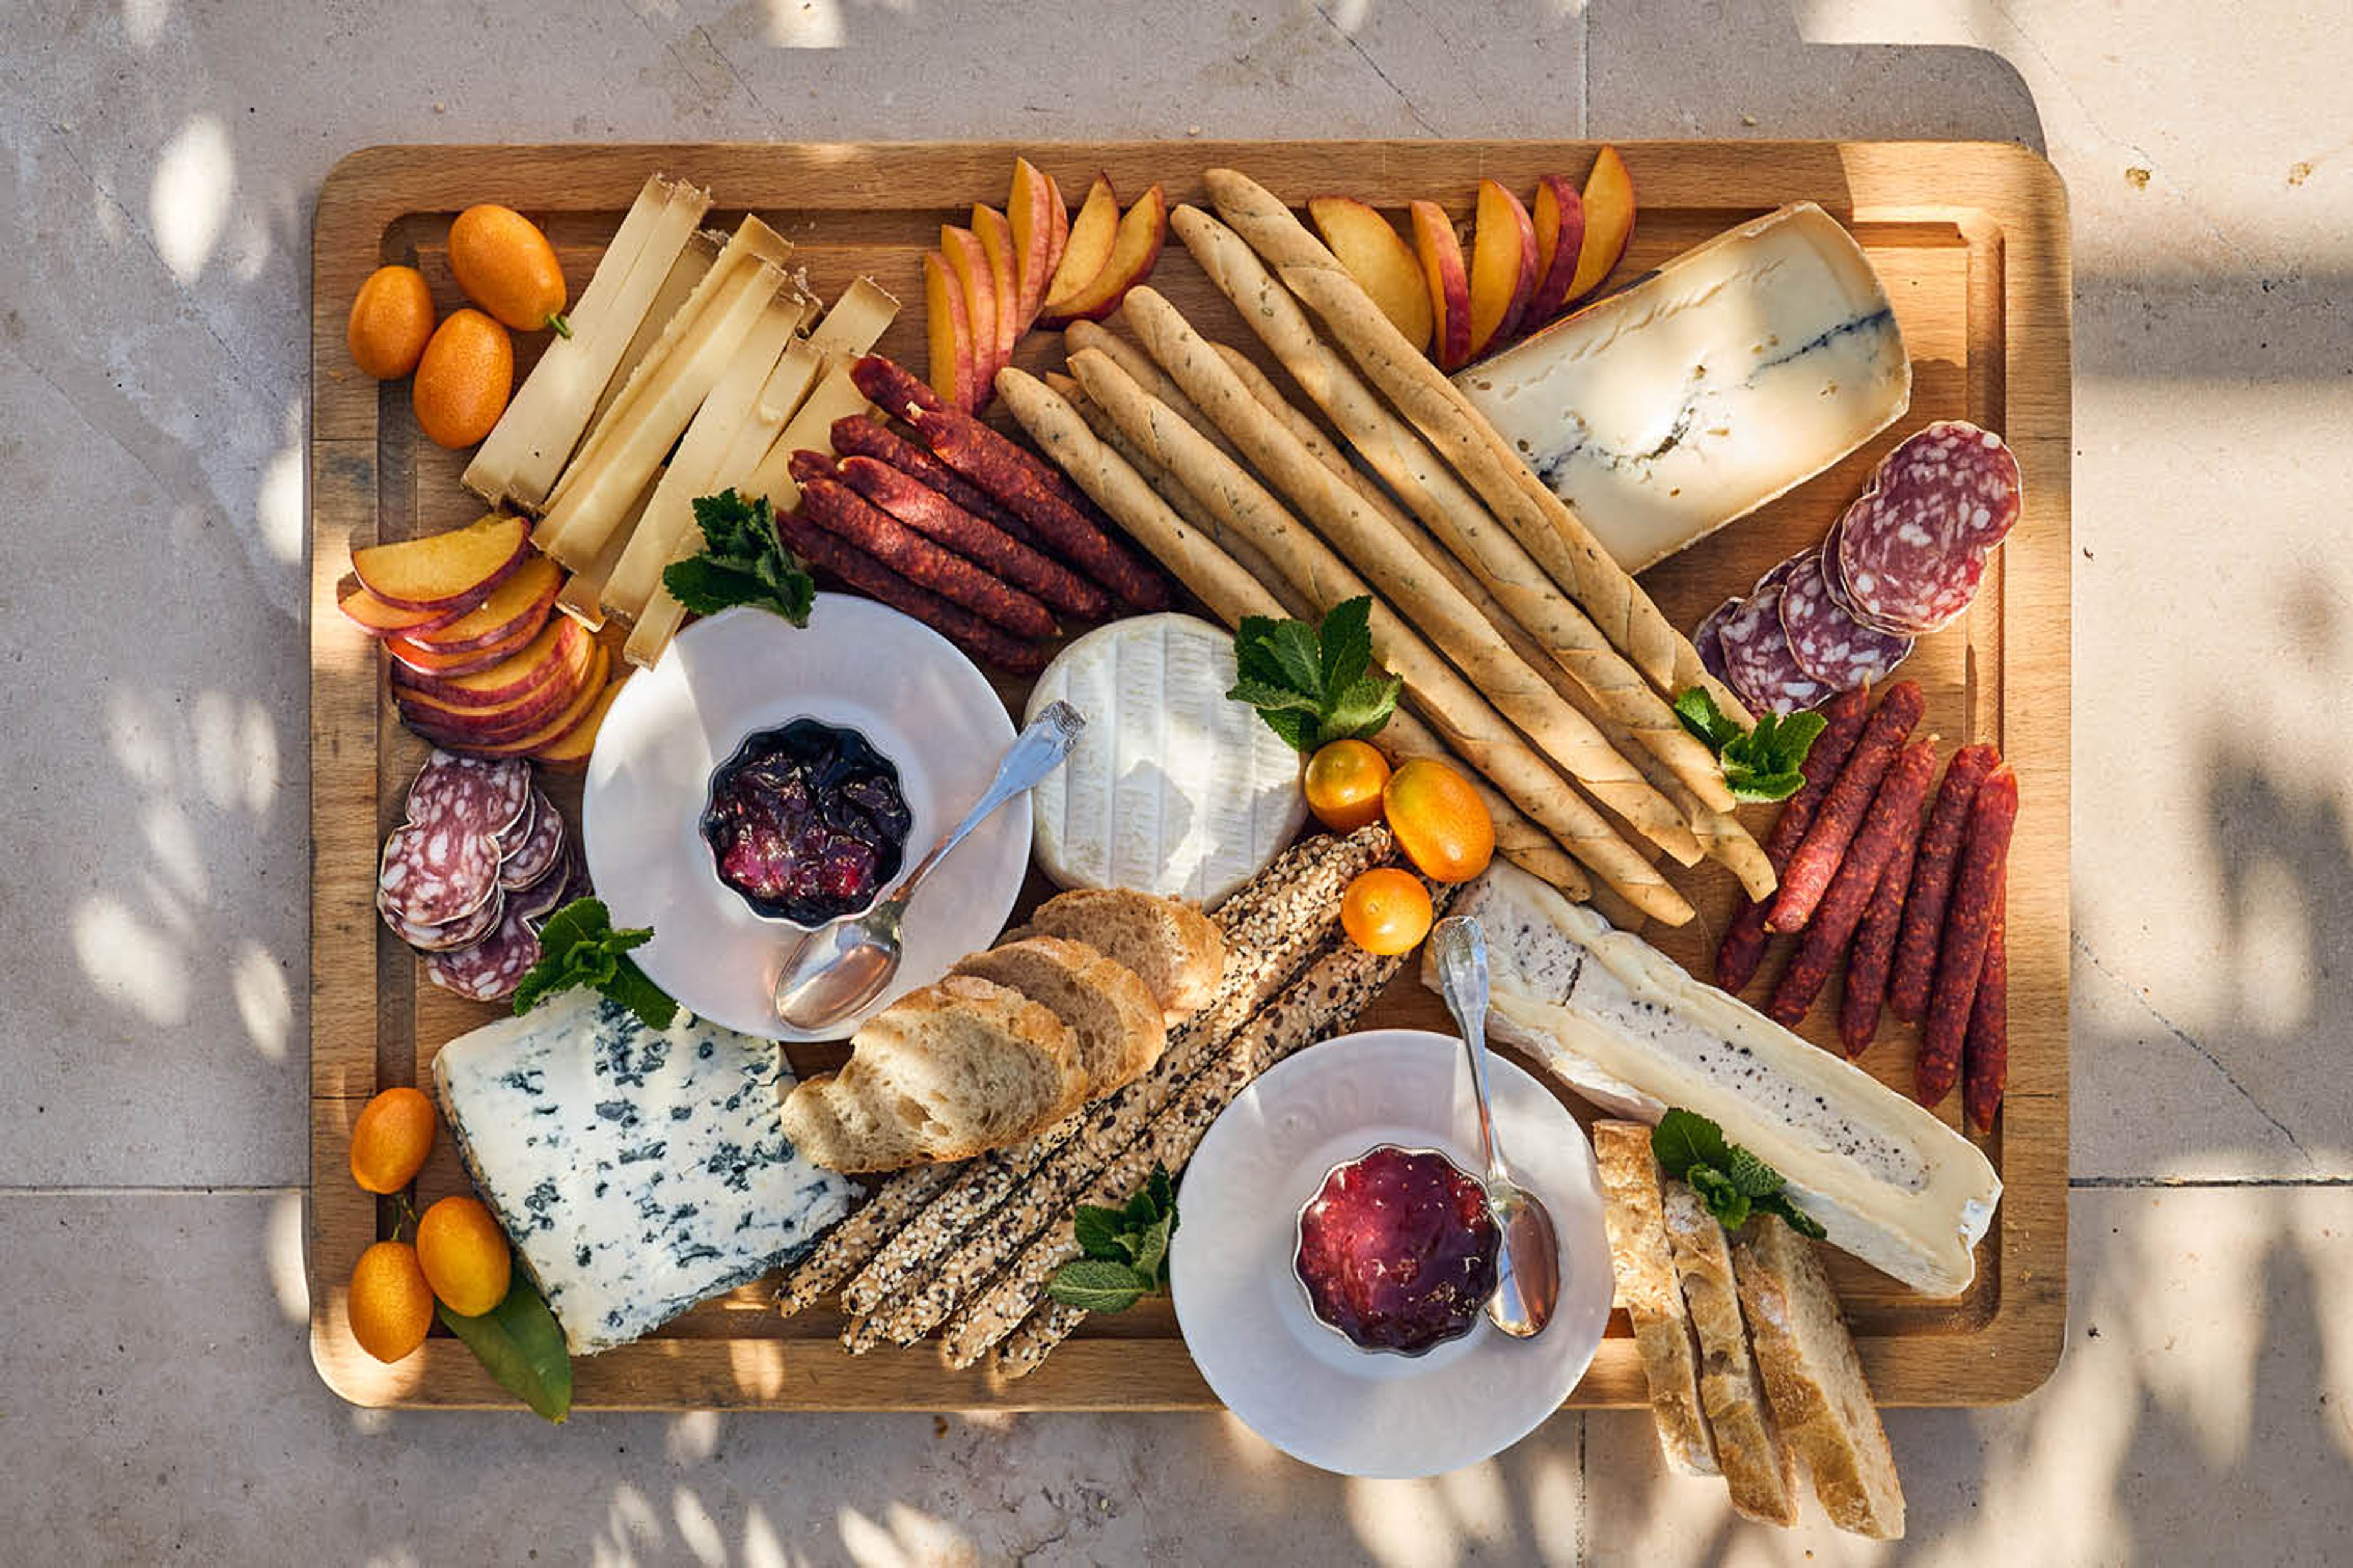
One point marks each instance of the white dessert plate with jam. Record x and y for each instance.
(859, 667)
(1296, 1381)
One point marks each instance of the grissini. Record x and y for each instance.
(1719, 833)
(1519, 583)
(1463, 717)
(1536, 516)
(1146, 373)
(1229, 576)
(1363, 539)
(869, 1228)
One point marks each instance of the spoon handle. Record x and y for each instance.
(1037, 752)
(1462, 948)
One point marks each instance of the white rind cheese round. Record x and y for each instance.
(1173, 787)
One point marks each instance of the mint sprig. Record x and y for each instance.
(742, 562)
(578, 946)
(1124, 1251)
(1313, 683)
(1763, 764)
(1732, 1182)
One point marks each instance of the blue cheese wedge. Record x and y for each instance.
(1628, 1029)
(1738, 370)
(637, 1171)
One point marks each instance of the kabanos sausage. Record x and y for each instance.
(1833, 828)
(1932, 881)
(1984, 1052)
(843, 512)
(1744, 944)
(1892, 820)
(863, 436)
(1968, 928)
(892, 386)
(1874, 950)
(936, 517)
(870, 576)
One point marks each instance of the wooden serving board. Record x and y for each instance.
(1971, 240)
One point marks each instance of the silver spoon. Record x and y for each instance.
(1527, 1264)
(835, 970)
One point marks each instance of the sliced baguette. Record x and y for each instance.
(1758, 1466)
(1106, 1004)
(1634, 1211)
(1170, 943)
(1815, 1379)
(944, 1073)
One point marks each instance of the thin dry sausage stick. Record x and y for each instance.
(933, 515)
(864, 435)
(1808, 876)
(843, 512)
(1744, 945)
(1968, 928)
(1985, 1048)
(1932, 881)
(1893, 821)
(985, 642)
(1874, 950)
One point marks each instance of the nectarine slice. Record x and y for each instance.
(1608, 223)
(426, 660)
(969, 263)
(1381, 263)
(550, 730)
(518, 604)
(1559, 220)
(1086, 252)
(947, 333)
(1030, 212)
(996, 243)
(560, 648)
(1449, 281)
(435, 573)
(379, 619)
(1135, 246)
(1503, 267)
(569, 751)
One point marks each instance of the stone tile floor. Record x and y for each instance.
(155, 1399)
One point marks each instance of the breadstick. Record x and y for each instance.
(1365, 541)
(1146, 374)
(1524, 588)
(1536, 516)
(1229, 576)
(866, 1230)
(1449, 703)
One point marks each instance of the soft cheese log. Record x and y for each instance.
(1174, 527)
(1739, 370)
(1452, 514)
(1363, 538)
(1629, 1029)
(1536, 516)
(1470, 724)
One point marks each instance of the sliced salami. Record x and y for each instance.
(1912, 548)
(1758, 662)
(485, 794)
(1829, 644)
(463, 931)
(491, 969)
(1707, 638)
(554, 891)
(536, 855)
(434, 874)
(1780, 572)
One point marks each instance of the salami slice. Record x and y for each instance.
(491, 969)
(1707, 638)
(1830, 644)
(435, 874)
(530, 860)
(1757, 663)
(485, 794)
(463, 931)
(1913, 547)
(1780, 572)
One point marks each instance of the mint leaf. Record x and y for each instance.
(1266, 694)
(1163, 1191)
(634, 989)
(1765, 763)
(1298, 730)
(706, 587)
(1752, 1175)
(579, 948)
(1096, 1285)
(1362, 707)
(1726, 1202)
(1099, 1230)
(1703, 719)
(519, 1343)
(1346, 639)
(743, 561)
(1315, 683)
(1684, 1138)
(1151, 1252)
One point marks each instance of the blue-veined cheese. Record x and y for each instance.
(1174, 788)
(637, 1171)
(1627, 1027)
(1740, 369)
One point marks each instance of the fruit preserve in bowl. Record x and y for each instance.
(807, 822)
(1397, 1250)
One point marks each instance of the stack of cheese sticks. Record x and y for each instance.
(1525, 652)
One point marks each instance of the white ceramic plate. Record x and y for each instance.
(857, 664)
(1304, 1388)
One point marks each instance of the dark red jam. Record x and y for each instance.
(807, 822)
(1397, 1250)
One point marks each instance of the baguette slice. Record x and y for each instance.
(1110, 1009)
(1815, 1379)
(1170, 943)
(1634, 1211)
(944, 1073)
(1758, 1466)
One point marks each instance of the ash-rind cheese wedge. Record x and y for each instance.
(1629, 1029)
(1735, 372)
(637, 1171)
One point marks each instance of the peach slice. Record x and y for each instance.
(1560, 239)
(471, 728)
(569, 751)
(435, 573)
(1449, 282)
(426, 660)
(1608, 223)
(379, 619)
(948, 332)
(560, 648)
(1381, 262)
(996, 243)
(1058, 239)
(1030, 212)
(969, 263)
(1135, 248)
(1503, 267)
(550, 730)
(518, 604)
(1085, 253)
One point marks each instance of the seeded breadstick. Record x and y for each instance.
(848, 1246)
(1146, 373)
(1541, 522)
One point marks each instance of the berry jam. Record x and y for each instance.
(807, 822)
(1397, 1250)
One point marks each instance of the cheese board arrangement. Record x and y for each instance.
(884, 767)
